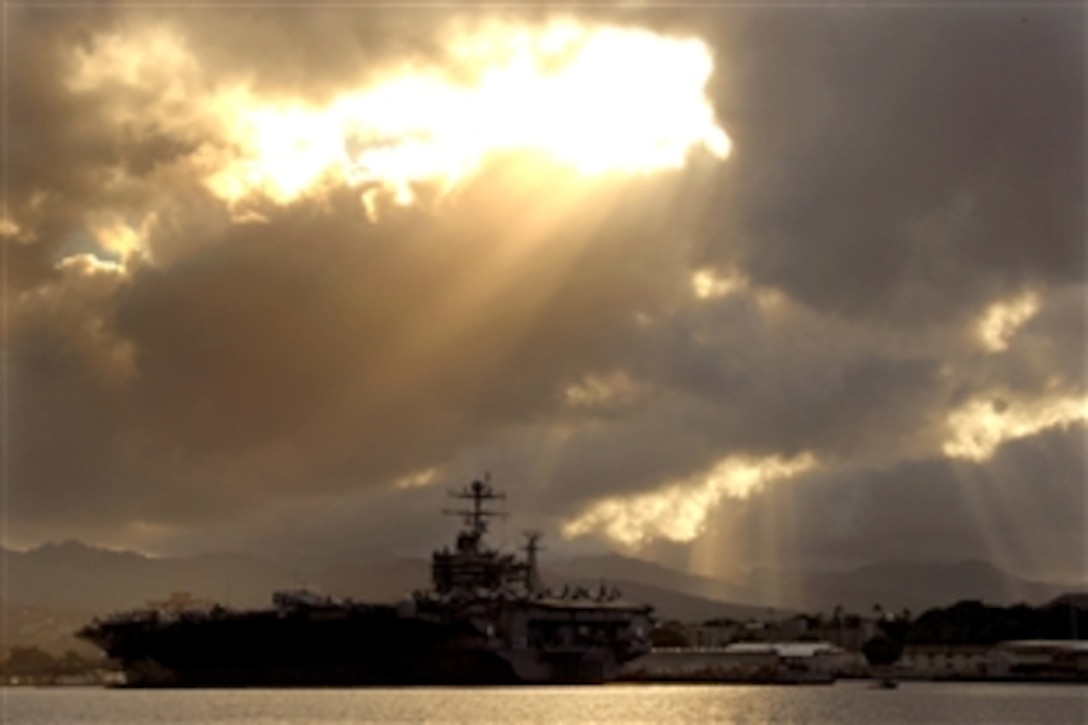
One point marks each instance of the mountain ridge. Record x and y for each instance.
(72, 575)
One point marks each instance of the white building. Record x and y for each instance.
(1043, 658)
(1021, 659)
(747, 662)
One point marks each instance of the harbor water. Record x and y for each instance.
(844, 702)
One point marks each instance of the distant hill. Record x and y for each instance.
(1078, 600)
(670, 604)
(922, 585)
(73, 577)
(738, 600)
(894, 585)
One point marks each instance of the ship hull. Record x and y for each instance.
(472, 671)
(371, 646)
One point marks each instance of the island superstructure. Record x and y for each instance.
(485, 619)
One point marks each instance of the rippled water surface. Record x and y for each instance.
(845, 702)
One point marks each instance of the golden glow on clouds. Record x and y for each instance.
(1002, 319)
(596, 391)
(678, 510)
(8, 228)
(978, 428)
(418, 479)
(707, 284)
(88, 265)
(595, 98)
(115, 235)
(131, 59)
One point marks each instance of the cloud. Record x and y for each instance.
(678, 510)
(223, 332)
(981, 426)
(1002, 319)
(918, 158)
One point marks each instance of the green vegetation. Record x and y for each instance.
(975, 623)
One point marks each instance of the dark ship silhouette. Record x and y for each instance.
(486, 620)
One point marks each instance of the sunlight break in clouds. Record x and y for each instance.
(982, 425)
(116, 236)
(597, 99)
(678, 510)
(1002, 319)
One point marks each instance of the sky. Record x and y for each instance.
(721, 286)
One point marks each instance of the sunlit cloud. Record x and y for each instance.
(678, 510)
(118, 237)
(1002, 319)
(87, 265)
(131, 58)
(596, 99)
(417, 479)
(978, 428)
(150, 76)
(595, 391)
(708, 284)
(8, 227)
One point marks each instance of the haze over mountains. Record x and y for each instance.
(75, 577)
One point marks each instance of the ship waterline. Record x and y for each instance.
(485, 620)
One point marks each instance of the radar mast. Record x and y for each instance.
(479, 492)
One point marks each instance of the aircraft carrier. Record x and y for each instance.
(485, 619)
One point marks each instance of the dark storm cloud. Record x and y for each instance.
(52, 151)
(923, 159)
(894, 173)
